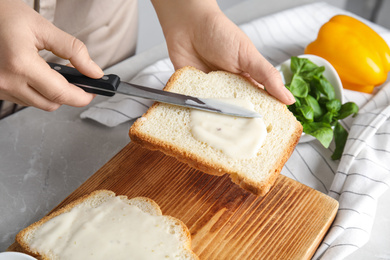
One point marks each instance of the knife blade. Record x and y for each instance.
(110, 84)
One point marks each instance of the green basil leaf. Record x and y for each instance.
(298, 86)
(323, 132)
(307, 65)
(295, 64)
(298, 102)
(314, 72)
(324, 86)
(333, 106)
(313, 103)
(327, 118)
(307, 112)
(301, 65)
(314, 92)
(340, 138)
(322, 101)
(347, 109)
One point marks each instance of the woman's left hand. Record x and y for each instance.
(200, 35)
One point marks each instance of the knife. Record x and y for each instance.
(110, 84)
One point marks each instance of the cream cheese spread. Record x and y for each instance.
(236, 137)
(112, 230)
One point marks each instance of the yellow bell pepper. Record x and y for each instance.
(360, 56)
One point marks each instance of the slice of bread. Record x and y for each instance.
(56, 235)
(166, 128)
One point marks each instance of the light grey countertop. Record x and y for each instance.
(45, 156)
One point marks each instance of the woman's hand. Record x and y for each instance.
(199, 34)
(25, 78)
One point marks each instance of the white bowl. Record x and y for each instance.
(330, 74)
(15, 256)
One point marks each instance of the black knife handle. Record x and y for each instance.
(105, 86)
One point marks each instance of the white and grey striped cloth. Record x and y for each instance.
(362, 174)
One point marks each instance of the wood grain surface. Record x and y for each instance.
(225, 221)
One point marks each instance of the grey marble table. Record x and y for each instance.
(43, 158)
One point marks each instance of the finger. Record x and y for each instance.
(263, 72)
(71, 65)
(55, 88)
(13, 99)
(26, 96)
(31, 97)
(18, 91)
(70, 48)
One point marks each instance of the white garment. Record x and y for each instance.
(107, 28)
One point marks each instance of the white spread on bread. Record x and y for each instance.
(237, 137)
(112, 230)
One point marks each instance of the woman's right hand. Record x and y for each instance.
(26, 78)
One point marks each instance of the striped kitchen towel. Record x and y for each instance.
(362, 174)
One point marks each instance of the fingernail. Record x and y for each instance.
(290, 96)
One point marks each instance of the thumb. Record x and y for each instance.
(263, 72)
(70, 48)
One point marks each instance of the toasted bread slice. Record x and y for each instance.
(166, 128)
(104, 226)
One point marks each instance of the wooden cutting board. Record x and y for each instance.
(225, 221)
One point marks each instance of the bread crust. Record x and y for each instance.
(153, 143)
(150, 206)
(258, 188)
